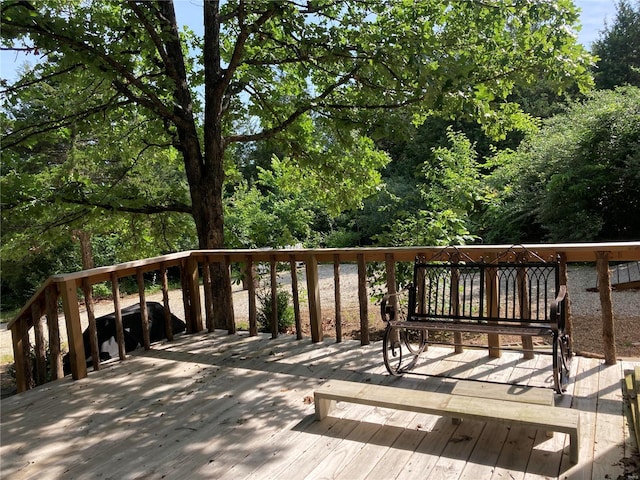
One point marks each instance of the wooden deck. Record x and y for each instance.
(218, 407)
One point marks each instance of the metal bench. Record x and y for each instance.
(516, 293)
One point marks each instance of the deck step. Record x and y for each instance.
(541, 416)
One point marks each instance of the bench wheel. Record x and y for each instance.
(415, 340)
(401, 349)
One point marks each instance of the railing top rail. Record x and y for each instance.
(574, 252)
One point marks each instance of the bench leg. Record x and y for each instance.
(323, 406)
(574, 447)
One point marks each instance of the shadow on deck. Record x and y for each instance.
(219, 406)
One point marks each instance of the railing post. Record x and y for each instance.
(604, 287)
(51, 299)
(40, 347)
(336, 296)
(296, 299)
(91, 317)
(23, 368)
(115, 292)
(313, 288)
(522, 287)
(274, 296)
(208, 297)
(455, 298)
(491, 291)
(363, 300)
(231, 319)
(71, 310)
(168, 325)
(144, 314)
(194, 293)
(251, 293)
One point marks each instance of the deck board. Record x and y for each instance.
(220, 406)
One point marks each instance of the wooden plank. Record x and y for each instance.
(313, 292)
(144, 315)
(363, 300)
(511, 413)
(74, 330)
(296, 298)
(609, 435)
(337, 297)
(512, 393)
(604, 287)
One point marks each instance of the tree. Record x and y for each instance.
(618, 49)
(577, 180)
(275, 69)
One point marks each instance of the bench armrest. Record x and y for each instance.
(558, 308)
(388, 305)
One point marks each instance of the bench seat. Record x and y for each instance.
(541, 416)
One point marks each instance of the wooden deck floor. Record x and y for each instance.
(218, 407)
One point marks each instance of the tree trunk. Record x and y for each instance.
(204, 167)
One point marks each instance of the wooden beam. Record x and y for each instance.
(604, 287)
(296, 298)
(144, 314)
(40, 347)
(274, 297)
(53, 325)
(313, 289)
(168, 324)
(77, 357)
(251, 293)
(337, 297)
(363, 300)
(195, 305)
(91, 317)
(115, 291)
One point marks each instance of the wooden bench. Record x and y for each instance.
(516, 293)
(508, 412)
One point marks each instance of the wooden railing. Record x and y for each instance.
(63, 289)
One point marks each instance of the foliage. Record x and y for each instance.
(285, 311)
(449, 193)
(318, 79)
(618, 49)
(577, 179)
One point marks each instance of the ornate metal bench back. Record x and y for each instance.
(503, 291)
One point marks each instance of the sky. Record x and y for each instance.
(593, 17)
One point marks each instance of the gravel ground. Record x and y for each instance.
(585, 307)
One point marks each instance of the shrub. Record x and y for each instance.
(286, 317)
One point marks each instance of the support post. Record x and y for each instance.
(274, 296)
(251, 292)
(51, 299)
(363, 300)
(144, 314)
(91, 317)
(193, 279)
(604, 287)
(168, 325)
(23, 369)
(115, 290)
(336, 296)
(77, 357)
(296, 297)
(313, 289)
(491, 292)
(40, 347)
(208, 296)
